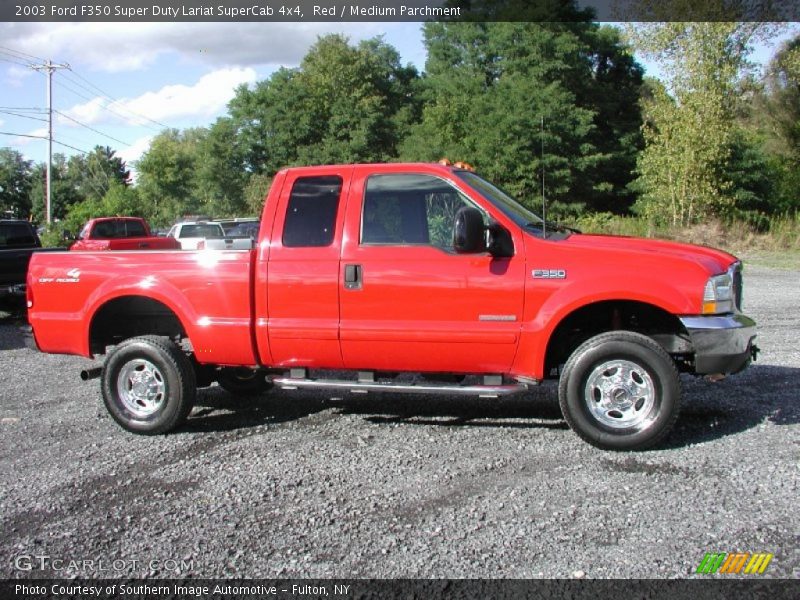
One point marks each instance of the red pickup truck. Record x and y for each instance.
(121, 233)
(387, 269)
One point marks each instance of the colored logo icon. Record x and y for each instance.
(734, 563)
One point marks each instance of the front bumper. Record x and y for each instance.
(722, 343)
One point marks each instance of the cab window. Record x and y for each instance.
(409, 209)
(311, 212)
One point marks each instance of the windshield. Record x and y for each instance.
(507, 205)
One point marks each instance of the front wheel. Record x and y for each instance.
(148, 385)
(620, 391)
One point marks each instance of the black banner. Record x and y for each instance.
(404, 10)
(710, 588)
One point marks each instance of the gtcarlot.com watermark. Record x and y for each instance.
(66, 566)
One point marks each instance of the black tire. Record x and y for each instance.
(243, 382)
(620, 391)
(148, 385)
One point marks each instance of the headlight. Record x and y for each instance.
(718, 295)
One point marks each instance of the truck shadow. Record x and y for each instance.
(759, 395)
(217, 410)
(12, 329)
(762, 394)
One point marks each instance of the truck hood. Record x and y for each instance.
(713, 260)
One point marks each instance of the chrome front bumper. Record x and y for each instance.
(722, 343)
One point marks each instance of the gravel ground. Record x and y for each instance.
(299, 484)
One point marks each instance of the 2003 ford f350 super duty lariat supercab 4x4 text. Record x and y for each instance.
(387, 269)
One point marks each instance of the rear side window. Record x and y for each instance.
(201, 230)
(134, 229)
(16, 234)
(311, 214)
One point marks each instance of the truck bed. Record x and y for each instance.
(209, 289)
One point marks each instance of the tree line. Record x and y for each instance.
(562, 108)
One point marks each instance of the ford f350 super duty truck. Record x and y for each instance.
(387, 269)
(120, 233)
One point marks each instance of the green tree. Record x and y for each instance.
(690, 129)
(775, 115)
(62, 190)
(92, 175)
(343, 104)
(219, 175)
(255, 192)
(15, 184)
(166, 175)
(521, 98)
(119, 200)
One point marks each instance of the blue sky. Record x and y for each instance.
(126, 81)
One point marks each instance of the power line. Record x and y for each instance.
(49, 67)
(120, 115)
(108, 96)
(25, 135)
(15, 62)
(24, 108)
(22, 54)
(92, 128)
(8, 112)
(42, 137)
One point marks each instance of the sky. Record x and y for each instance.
(126, 82)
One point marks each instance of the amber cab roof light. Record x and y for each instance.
(458, 165)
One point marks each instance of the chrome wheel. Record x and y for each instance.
(141, 388)
(621, 394)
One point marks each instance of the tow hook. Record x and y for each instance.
(754, 350)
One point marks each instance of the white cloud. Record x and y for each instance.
(33, 136)
(204, 99)
(115, 47)
(16, 76)
(134, 152)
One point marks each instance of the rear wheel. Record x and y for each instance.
(243, 382)
(620, 391)
(148, 385)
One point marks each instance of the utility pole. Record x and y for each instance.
(49, 67)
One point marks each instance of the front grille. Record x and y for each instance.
(736, 275)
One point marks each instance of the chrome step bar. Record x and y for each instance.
(360, 387)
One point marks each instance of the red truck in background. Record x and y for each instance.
(384, 269)
(121, 233)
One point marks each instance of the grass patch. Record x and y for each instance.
(778, 247)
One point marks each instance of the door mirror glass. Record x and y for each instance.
(469, 232)
(500, 243)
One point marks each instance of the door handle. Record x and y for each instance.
(352, 277)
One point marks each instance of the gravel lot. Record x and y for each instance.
(298, 484)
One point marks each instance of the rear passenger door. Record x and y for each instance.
(303, 270)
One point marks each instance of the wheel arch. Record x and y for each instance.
(580, 323)
(128, 315)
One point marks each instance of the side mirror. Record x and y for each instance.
(500, 243)
(469, 232)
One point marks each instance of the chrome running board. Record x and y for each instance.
(361, 387)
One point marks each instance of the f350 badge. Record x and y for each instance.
(549, 274)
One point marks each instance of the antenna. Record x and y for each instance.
(544, 209)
